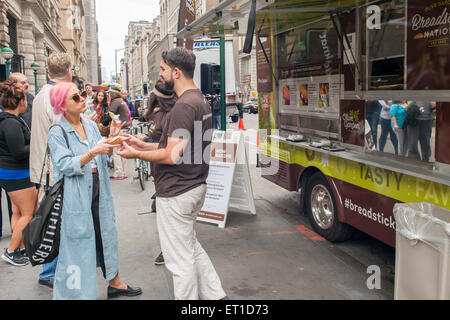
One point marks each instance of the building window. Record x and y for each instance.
(17, 62)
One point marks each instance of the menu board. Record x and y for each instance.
(313, 94)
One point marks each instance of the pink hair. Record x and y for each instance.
(58, 96)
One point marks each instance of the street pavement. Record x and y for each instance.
(270, 255)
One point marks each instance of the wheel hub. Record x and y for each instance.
(322, 207)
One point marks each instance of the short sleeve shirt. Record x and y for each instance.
(190, 118)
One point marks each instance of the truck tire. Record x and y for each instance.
(322, 210)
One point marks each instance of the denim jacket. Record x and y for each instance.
(75, 276)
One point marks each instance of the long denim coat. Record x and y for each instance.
(75, 276)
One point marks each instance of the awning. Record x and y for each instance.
(231, 16)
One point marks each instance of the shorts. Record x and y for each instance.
(14, 185)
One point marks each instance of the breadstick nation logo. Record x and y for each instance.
(433, 24)
(428, 39)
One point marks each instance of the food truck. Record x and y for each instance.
(329, 75)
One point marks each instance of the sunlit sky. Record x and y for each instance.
(113, 17)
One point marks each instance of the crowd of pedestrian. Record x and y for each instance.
(79, 131)
(408, 124)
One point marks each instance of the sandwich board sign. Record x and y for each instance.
(229, 186)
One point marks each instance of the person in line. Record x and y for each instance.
(420, 132)
(161, 102)
(8, 200)
(104, 116)
(60, 70)
(88, 229)
(385, 121)
(101, 104)
(89, 99)
(398, 115)
(373, 109)
(118, 107)
(216, 111)
(22, 83)
(180, 179)
(130, 105)
(14, 168)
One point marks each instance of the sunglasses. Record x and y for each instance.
(77, 97)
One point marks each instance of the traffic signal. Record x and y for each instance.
(210, 78)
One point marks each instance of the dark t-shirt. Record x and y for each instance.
(119, 107)
(189, 118)
(14, 142)
(157, 122)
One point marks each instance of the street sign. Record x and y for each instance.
(206, 44)
(229, 187)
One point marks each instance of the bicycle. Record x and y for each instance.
(141, 166)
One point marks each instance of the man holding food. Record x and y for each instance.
(180, 179)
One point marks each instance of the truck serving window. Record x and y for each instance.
(307, 46)
(386, 48)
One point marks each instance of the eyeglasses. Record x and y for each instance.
(77, 97)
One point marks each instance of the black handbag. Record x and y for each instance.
(41, 236)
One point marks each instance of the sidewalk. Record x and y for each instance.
(273, 255)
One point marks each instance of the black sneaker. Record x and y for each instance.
(15, 258)
(23, 253)
(160, 259)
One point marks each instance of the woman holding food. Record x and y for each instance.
(88, 237)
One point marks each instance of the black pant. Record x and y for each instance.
(96, 218)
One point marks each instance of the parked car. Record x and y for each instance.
(251, 106)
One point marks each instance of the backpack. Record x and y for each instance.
(412, 112)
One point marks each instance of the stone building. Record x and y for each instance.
(91, 38)
(73, 37)
(154, 53)
(32, 29)
(247, 68)
(135, 60)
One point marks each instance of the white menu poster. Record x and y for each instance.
(228, 184)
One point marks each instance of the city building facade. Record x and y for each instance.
(135, 61)
(247, 68)
(91, 36)
(32, 29)
(73, 37)
(154, 53)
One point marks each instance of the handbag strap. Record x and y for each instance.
(47, 159)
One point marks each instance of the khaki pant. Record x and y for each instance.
(120, 165)
(194, 275)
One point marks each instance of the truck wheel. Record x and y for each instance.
(322, 210)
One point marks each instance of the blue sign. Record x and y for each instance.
(207, 44)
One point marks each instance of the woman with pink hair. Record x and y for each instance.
(88, 230)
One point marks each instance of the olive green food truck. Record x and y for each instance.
(354, 103)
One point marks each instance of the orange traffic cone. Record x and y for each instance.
(257, 139)
(241, 124)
